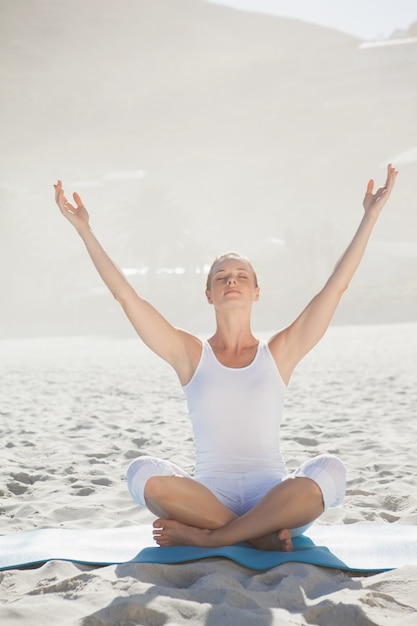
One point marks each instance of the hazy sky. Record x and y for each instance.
(366, 19)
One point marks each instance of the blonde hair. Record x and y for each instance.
(224, 257)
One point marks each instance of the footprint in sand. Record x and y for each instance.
(17, 488)
(27, 479)
(105, 482)
(84, 491)
(306, 441)
(21, 482)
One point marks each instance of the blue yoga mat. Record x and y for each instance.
(351, 547)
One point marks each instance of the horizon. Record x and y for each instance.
(365, 19)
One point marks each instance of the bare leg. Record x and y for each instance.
(191, 504)
(293, 503)
(187, 501)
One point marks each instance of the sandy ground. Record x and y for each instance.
(75, 411)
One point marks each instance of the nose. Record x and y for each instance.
(231, 280)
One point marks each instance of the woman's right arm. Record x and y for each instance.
(178, 348)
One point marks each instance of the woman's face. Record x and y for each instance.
(232, 281)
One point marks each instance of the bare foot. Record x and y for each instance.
(279, 541)
(173, 533)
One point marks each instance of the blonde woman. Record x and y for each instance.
(235, 385)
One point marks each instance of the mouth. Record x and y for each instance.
(231, 291)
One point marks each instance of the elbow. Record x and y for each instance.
(339, 285)
(127, 298)
(121, 299)
(343, 288)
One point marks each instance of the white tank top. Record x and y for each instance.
(236, 414)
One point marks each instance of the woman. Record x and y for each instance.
(235, 387)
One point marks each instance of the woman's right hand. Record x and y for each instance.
(76, 214)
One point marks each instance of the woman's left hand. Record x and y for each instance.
(373, 202)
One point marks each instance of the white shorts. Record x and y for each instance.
(240, 492)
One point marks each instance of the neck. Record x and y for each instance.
(233, 331)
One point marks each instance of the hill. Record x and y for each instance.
(191, 128)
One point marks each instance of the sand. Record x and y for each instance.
(75, 411)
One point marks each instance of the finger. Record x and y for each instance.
(370, 187)
(58, 188)
(68, 207)
(62, 201)
(60, 198)
(380, 192)
(389, 174)
(78, 200)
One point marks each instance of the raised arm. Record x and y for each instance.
(292, 344)
(175, 346)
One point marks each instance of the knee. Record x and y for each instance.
(146, 478)
(336, 483)
(334, 466)
(139, 472)
(329, 472)
(155, 489)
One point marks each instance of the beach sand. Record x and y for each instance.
(75, 411)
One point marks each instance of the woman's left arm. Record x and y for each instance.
(292, 344)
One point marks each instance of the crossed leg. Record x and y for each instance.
(187, 501)
(190, 514)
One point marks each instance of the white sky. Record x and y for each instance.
(366, 19)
